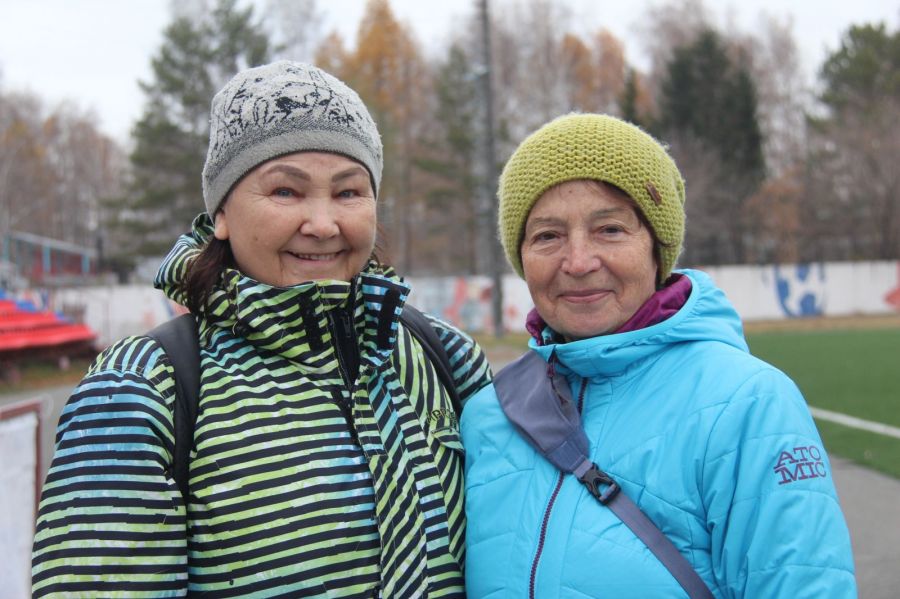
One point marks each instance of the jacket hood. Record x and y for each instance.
(707, 315)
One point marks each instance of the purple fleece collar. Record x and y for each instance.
(660, 306)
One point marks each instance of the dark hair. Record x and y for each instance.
(204, 271)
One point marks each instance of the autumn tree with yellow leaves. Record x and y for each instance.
(387, 70)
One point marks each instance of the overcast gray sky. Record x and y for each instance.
(92, 52)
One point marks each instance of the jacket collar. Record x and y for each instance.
(705, 316)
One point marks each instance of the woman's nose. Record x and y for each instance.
(319, 222)
(581, 258)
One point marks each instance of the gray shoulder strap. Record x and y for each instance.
(539, 404)
(542, 410)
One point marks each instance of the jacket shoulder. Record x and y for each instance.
(135, 356)
(468, 362)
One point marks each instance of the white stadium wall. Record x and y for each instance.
(111, 311)
(768, 292)
(800, 291)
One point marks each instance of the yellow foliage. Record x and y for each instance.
(579, 72)
(386, 68)
(610, 65)
(332, 56)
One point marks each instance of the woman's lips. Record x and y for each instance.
(314, 257)
(584, 296)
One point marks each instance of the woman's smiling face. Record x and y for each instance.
(588, 259)
(301, 217)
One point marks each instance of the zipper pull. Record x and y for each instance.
(347, 325)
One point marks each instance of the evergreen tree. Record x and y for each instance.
(451, 162)
(170, 139)
(864, 71)
(628, 106)
(853, 180)
(706, 95)
(708, 113)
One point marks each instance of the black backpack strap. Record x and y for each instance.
(538, 402)
(180, 340)
(421, 328)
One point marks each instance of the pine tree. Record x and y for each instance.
(170, 139)
(708, 113)
(864, 71)
(853, 181)
(628, 100)
(452, 218)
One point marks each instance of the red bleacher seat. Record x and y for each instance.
(24, 329)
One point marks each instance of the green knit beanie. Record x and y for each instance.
(599, 147)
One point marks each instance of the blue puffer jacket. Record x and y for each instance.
(717, 447)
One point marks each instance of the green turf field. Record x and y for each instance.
(855, 372)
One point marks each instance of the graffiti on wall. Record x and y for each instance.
(892, 298)
(463, 301)
(801, 289)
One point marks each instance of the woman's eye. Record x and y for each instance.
(283, 192)
(544, 236)
(611, 229)
(348, 193)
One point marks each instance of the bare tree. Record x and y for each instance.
(86, 167)
(55, 169)
(23, 173)
(706, 239)
(783, 96)
(853, 181)
(527, 67)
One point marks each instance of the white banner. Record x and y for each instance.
(18, 469)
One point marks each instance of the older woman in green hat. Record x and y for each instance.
(638, 449)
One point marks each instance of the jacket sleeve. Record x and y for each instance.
(111, 520)
(772, 510)
(470, 367)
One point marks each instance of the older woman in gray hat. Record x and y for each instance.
(325, 456)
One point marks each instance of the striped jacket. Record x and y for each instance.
(296, 476)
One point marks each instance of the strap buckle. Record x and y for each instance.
(594, 479)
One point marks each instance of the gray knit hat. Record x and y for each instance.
(279, 109)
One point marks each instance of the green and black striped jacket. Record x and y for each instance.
(298, 479)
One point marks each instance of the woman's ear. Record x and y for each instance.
(220, 230)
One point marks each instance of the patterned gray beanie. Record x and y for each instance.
(282, 108)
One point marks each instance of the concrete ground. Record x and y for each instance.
(870, 500)
(871, 503)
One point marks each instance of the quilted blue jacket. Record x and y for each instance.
(717, 447)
